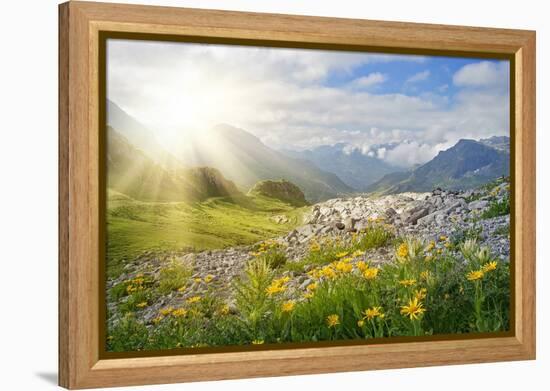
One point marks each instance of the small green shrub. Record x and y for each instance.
(173, 277)
(128, 335)
(253, 296)
(497, 208)
(275, 258)
(374, 236)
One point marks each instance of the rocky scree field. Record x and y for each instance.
(409, 264)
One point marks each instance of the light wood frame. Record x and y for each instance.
(80, 23)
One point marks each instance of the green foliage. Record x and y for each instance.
(173, 277)
(132, 303)
(429, 289)
(503, 230)
(497, 208)
(272, 252)
(251, 294)
(128, 335)
(374, 236)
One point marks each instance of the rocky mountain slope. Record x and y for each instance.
(466, 165)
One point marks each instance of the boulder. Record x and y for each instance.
(413, 217)
(480, 204)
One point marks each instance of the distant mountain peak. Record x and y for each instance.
(468, 163)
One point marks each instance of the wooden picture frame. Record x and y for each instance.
(80, 26)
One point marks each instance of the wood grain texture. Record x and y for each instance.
(80, 24)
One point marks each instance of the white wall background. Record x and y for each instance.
(28, 195)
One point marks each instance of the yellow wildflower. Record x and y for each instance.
(224, 310)
(430, 246)
(142, 304)
(311, 287)
(277, 286)
(166, 311)
(258, 342)
(342, 254)
(288, 306)
(208, 278)
(361, 265)
(442, 238)
(282, 280)
(475, 275)
(402, 250)
(409, 282)
(328, 272)
(357, 253)
(414, 310)
(314, 246)
(333, 320)
(194, 299)
(343, 266)
(273, 289)
(158, 319)
(425, 274)
(490, 266)
(360, 323)
(371, 313)
(180, 312)
(181, 289)
(370, 273)
(420, 293)
(308, 295)
(197, 279)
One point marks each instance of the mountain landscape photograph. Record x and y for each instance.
(263, 196)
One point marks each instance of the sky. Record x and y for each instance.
(403, 109)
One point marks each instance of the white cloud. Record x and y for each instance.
(418, 77)
(369, 80)
(280, 95)
(483, 74)
(410, 153)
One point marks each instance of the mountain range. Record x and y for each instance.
(238, 156)
(226, 160)
(356, 169)
(467, 164)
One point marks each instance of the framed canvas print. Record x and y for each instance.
(248, 195)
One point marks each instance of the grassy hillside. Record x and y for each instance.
(281, 190)
(135, 226)
(132, 172)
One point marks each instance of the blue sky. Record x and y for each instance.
(433, 73)
(301, 99)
